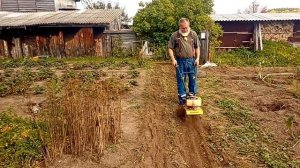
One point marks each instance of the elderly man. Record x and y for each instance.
(184, 50)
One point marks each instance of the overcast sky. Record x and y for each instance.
(221, 6)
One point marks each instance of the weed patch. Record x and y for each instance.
(20, 143)
(274, 54)
(244, 131)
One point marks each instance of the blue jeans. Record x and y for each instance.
(186, 67)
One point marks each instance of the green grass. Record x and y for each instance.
(278, 54)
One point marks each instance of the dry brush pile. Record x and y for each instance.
(82, 118)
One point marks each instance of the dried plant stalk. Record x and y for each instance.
(83, 118)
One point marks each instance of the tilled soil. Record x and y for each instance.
(155, 135)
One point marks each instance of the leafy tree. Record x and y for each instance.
(158, 19)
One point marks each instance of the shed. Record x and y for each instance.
(248, 30)
(58, 34)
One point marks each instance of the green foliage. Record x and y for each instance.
(4, 89)
(38, 90)
(277, 160)
(234, 111)
(29, 63)
(89, 76)
(118, 50)
(274, 54)
(161, 52)
(20, 145)
(157, 20)
(284, 10)
(9, 63)
(250, 139)
(44, 73)
(134, 74)
(16, 82)
(290, 125)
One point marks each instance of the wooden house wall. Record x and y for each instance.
(55, 42)
(241, 33)
(296, 33)
(236, 34)
(35, 5)
(128, 38)
(9, 5)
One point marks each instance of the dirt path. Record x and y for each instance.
(167, 140)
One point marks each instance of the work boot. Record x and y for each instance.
(182, 101)
(191, 95)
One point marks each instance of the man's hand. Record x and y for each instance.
(174, 62)
(197, 61)
(171, 53)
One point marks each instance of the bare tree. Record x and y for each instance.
(254, 7)
(91, 4)
(100, 4)
(109, 5)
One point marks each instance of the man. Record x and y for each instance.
(184, 50)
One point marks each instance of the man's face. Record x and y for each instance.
(184, 26)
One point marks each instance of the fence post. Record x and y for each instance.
(204, 46)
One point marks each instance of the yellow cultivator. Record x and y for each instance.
(193, 106)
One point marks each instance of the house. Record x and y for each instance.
(248, 30)
(60, 33)
(36, 5)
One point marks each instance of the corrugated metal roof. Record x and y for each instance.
(99, 16)
(256, 17)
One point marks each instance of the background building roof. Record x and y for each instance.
(256, 17)
(95, 17)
